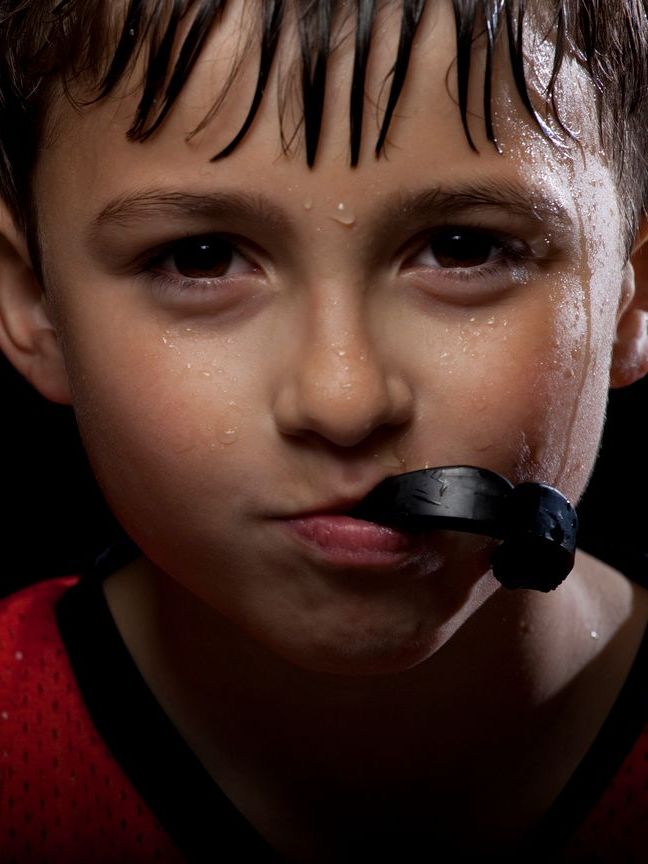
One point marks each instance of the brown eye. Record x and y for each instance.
(461, 248)
(203, 257)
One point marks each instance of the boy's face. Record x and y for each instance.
(336, 344)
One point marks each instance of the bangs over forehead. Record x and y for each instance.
(589, 30)
(91, 46)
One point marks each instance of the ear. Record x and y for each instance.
(28, 336)
(630, 353)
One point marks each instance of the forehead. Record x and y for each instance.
(426, 140)
(149, 51)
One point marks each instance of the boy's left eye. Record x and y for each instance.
(460, 249)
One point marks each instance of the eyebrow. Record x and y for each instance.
(504, 194)
(402, 207)
(170, 204)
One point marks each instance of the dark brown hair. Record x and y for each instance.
(50, 43)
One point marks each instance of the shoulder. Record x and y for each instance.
(33, 678)
(18, 610)
(28, 626)
(30, 648)
(617, 827)
(63, 795)
(28, 633)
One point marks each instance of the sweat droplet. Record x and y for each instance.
(228, 436)
(344, 216)
(229, 428)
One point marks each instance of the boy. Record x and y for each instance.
(261, 676)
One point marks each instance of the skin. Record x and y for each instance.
(341, 353)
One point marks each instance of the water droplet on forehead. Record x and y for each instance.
(343, 215)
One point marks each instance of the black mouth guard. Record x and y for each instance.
(535, 524)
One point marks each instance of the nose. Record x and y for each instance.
(339, 384)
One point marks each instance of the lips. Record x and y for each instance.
(343, 540)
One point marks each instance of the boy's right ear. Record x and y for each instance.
(630, 354)
(28, 335)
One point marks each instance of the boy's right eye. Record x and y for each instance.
(205, 271)
(205, 257)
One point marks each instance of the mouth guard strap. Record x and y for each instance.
(535, 524)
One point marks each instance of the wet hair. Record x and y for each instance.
(49, 46)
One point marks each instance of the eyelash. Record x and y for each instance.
(511, 252)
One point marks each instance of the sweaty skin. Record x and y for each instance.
(334, 351)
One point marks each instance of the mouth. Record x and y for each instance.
(346, 541)
(334, 535)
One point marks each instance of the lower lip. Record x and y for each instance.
(349, 542)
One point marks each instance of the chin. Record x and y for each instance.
(364, 648)
(384, 639)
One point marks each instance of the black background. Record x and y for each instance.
(54, 519)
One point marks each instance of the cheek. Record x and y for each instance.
(164, 418)
(521, 390)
